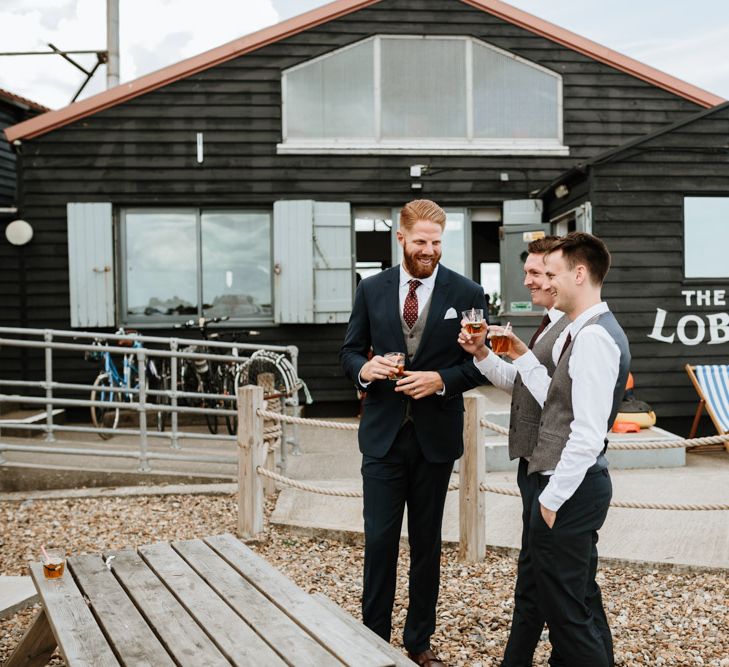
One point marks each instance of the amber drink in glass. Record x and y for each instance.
(475, 324)
(399, 359)
(54, 563)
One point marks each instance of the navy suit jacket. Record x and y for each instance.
(375, 322)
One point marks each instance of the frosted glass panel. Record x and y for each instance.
(511, 99)
(333, 97)
(706, 234)
(423, 88)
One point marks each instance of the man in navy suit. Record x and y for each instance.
(411, 430)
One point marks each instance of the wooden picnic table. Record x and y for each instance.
(201, 603)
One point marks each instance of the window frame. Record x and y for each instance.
(423, 146)
(697, 280)
(165, 321)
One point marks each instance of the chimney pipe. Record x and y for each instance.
(112, 43)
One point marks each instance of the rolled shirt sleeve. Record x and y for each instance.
(499, 372)
(593, 368)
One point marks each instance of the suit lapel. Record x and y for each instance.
(392, 308)
(438, 301)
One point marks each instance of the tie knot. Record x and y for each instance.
(414, 284)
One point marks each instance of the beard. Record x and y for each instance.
(415, 267)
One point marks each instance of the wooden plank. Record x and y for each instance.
(338, 637)
(36, 646)
(81, 642)
(132, 639)
(230, 633)
(274, 626)
(398, 657)
(179, 633)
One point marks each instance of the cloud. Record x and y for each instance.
(153, 34)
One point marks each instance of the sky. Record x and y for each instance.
(689, 41)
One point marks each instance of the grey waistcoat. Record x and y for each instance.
(525, 411)
(557, 415)
(412, 339)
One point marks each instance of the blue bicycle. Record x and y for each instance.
(113, 386)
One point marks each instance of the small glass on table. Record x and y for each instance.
(399, 359)
(54, 562)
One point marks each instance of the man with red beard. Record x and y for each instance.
(411, 430)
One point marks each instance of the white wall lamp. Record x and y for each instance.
(561, 191)
(19, 232)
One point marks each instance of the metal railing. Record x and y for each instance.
(140, 399)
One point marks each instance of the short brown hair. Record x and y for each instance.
(421, 209)
(583, 248)
(542, 246)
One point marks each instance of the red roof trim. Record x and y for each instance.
(21, 101)
(54, 119)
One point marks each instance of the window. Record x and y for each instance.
(186, 263)
(705, 236)
(408, 94)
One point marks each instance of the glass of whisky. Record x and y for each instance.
(399, 359)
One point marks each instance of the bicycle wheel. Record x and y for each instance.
(210, 385)
(228, 389)
(102, 416)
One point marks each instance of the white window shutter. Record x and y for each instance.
(293, 284)
(333, 262)
(91, 264)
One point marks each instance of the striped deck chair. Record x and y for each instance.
(712, 386)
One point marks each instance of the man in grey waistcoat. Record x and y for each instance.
(527, 622)
(568, 466)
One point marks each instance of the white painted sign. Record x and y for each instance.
(693, 329)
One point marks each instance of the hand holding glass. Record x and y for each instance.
(474, 322)
(501, 343)
(399, 359)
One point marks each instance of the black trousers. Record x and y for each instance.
(563, 564)
(403, 477)
(527, 621)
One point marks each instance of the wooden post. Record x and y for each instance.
(472, 502)
(268, 382)
(251, 455)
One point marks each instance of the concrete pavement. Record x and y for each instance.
(678, 538)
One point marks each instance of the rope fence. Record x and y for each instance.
(646, 444)
(493, 426)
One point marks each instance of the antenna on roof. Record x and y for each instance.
(112, 43)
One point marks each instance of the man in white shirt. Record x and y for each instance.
(527, 622)
(580, 401)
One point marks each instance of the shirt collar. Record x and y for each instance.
(554, 314)
(428, 282)
(588, 314)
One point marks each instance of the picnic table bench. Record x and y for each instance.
(198, 603)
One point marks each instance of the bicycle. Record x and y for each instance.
(200, 375)
(111, 386)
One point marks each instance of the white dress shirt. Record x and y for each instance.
(423, 292)
(593, 369)
(501, 373)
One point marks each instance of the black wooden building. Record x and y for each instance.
(257, 179)
(661, 203)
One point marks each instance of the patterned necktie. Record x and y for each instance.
(410, 307)
(565, 346)
(542, 327)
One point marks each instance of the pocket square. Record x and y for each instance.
(450, 314)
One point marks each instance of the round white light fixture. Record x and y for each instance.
(19, 232)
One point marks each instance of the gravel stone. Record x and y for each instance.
(658, 617)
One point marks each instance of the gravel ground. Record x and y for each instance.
(657, 617)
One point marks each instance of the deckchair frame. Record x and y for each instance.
(703, 403)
